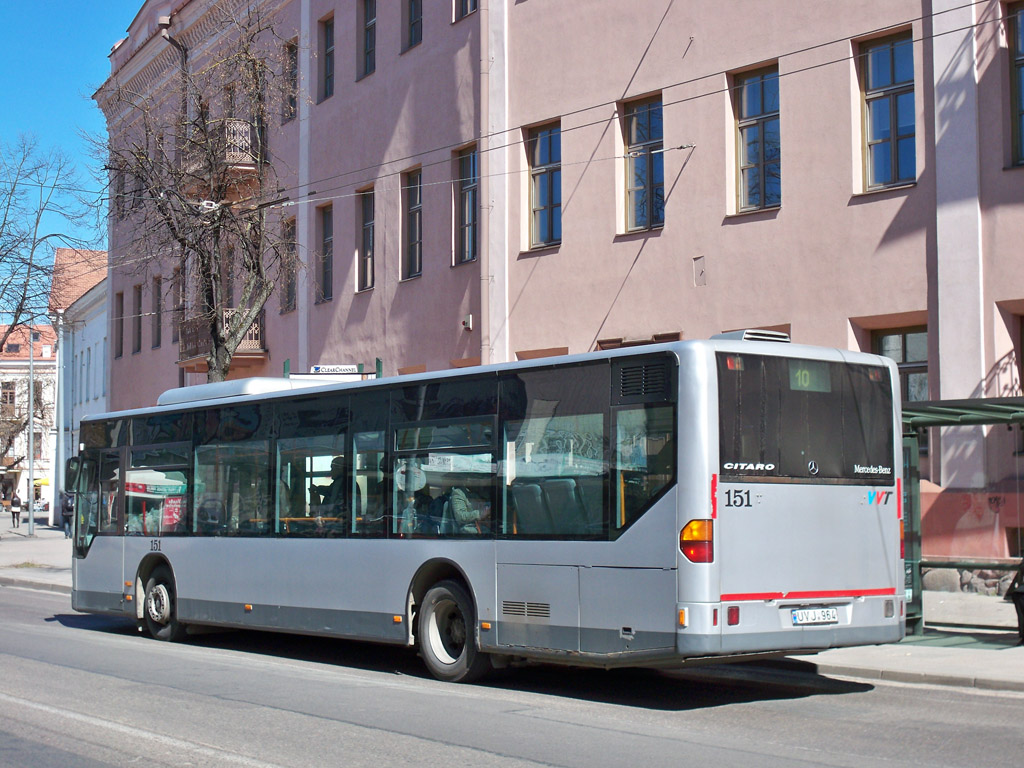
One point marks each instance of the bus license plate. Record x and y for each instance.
(804, 616)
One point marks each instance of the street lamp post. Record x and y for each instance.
(31, 495)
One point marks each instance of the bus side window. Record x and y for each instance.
(369, 485)
(645, 460)
(86, 505)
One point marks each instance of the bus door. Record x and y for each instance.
(99, 539)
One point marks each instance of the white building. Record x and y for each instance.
(28, 449)
(78, 305)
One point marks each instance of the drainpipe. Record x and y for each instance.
(485, 186)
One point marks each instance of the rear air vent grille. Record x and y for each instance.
(754, 334)
(519, 608)
(642, 381)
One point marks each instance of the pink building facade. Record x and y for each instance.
(518, 179)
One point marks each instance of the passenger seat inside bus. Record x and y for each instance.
(564, 505)
(532, 516)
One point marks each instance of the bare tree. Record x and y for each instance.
(192, 179)
(38, 190)
(14, 420)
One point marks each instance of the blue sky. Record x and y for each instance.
(53, 56)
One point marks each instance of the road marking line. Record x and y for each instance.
(135, 732)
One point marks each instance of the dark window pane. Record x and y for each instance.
(771, 92)
(905, 113)
(917, 347)
(556, 145)
(772, 140)
(752, 187)
(879, 67)
(881, 163)
(906, 159)
(751, 97)
(556, 187)
(655, 120)
(879, 120)
(891, 346)
(541, 219)
(751, 145)
(903, 61)
(658, 214)
(772, 184)
(917, 387)
(638, 209)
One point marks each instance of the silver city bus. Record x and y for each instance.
(640, 507)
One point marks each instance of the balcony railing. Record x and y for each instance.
(194, 337)
(239, 141)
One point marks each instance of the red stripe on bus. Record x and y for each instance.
(899, 498)
(808, 595)
(714, 496)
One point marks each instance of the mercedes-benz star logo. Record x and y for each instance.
(812, 467)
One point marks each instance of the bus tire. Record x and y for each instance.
(446, 635)
(161, 606)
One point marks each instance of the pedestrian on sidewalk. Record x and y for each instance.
(1016, 594)
(15, 511)
(67, 511)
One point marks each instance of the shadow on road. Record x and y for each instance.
(666, 690)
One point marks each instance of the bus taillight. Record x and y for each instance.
(697, 541)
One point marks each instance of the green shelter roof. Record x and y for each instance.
(948, 413)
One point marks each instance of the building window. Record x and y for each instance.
(645, 166)
(325, 275)
(291, 73)
(158, 310)
(464, 7)
(466, 215)
(413, 22)
(288, 266)
(176, 304)
(37, 445)
(545, 147)
(1016, 29)
(118, 324)
(369, 37)
(413, 231)
(365, 276)
(759, 144)
(888, 81)
(909, 348)
(326, 58)
(8, 400)
(88, 372)
(136, 318)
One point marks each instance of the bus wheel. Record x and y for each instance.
(161, 606)
(446, 635)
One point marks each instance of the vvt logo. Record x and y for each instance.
(879, 497)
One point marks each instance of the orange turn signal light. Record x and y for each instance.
(697, 541)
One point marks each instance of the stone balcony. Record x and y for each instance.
(194, 344)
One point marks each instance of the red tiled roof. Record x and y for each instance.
(74, 273)
(20, 337)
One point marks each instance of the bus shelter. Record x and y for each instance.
(963, 493)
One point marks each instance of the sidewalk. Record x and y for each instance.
(952, 651)
(42, 561)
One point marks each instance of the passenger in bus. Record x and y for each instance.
(330, 502)
(469, 517)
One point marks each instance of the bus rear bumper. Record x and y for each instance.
(777, 625)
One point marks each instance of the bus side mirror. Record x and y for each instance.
(71, 470)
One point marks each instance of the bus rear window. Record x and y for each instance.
(810, 420)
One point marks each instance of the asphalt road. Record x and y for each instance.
(80, 690)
